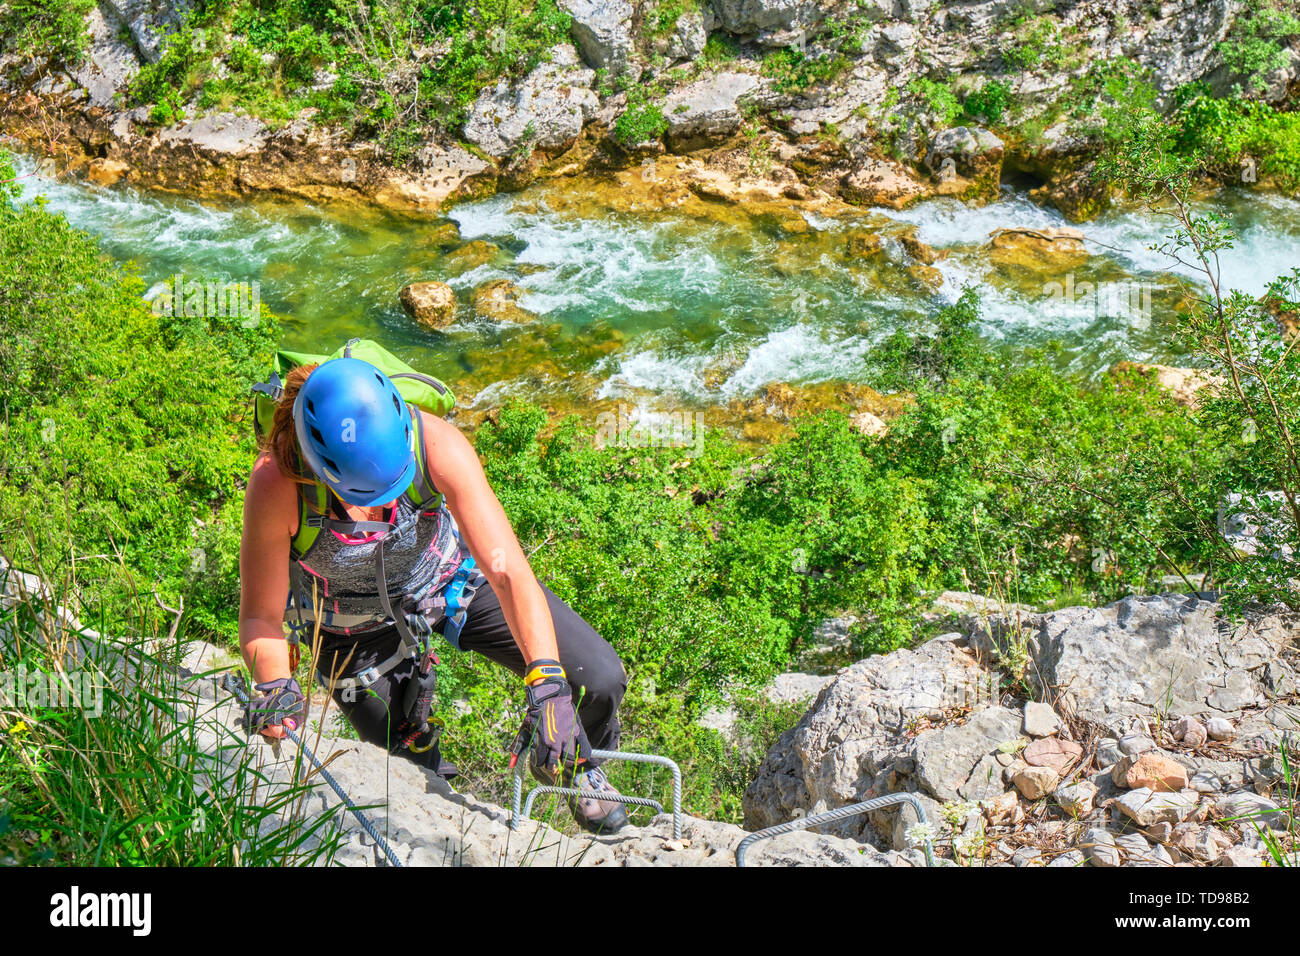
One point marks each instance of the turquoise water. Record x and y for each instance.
(661, 310)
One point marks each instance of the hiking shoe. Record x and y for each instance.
(597, 816)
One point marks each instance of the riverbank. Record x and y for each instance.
(768, 104)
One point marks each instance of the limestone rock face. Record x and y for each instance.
(706, 112)
(430, 824)
(111, 61)
(920, 720)
(603, 32)
(879, 728)
(545, 110)
(147, 22)
(1118, 660)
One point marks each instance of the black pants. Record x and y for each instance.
(593, 667)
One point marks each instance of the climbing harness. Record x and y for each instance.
(230, 683)
(817, 819)
(518, 815)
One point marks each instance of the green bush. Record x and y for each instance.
(939, 99)
(989, 103)
(719, 48)
(794, 71)
(46, 28)
(641, 122)
(127, 441)
(1036, 43)
(385, 86)
(1254, 46)
(1222, 133)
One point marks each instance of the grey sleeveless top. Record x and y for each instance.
(421, 555)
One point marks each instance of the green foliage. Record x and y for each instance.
(661, 19)
(126, 438)
(907, 361)
(794, 71)
(1223, 133)
(1036, 43)
(641, 121)
(1251, 415)
(46, 28)
(1255, 44)
(719, 48)
(989, 103)
(265, 58)
(115, 772)
(938, 98)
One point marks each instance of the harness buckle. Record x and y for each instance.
(368, 677)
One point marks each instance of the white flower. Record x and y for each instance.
(918, 834)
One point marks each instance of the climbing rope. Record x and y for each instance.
(231, 684)
(877, 803)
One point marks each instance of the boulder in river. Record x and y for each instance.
(1051, 249)
(863, 245)
(967, 160)
(499, 300)
(432, 304)
(881, 182)
(471, 255)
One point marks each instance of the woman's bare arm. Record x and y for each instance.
(455, 469)
(270, 509)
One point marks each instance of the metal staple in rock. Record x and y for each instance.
(366, 824)
(518, 814)
(876, 803)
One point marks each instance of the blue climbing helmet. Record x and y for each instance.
(354, 430)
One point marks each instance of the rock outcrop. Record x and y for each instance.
(428, 823)
(1108, 750)
(603, 32)
(545, 111)
(832, 125)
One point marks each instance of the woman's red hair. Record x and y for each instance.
(282, 441)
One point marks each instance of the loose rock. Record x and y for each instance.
(1041, 720)
(1156, 772)
(1036, 782)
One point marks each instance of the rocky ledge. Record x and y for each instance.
(428, 823)
(865, 133)
(1145, 733)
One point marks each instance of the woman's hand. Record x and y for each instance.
(282, 704)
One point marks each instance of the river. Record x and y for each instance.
(664, 311)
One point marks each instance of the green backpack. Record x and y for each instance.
(423, 391)
(417, 388)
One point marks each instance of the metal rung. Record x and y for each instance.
(866, 806)
(534, 793)
(518, 815)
